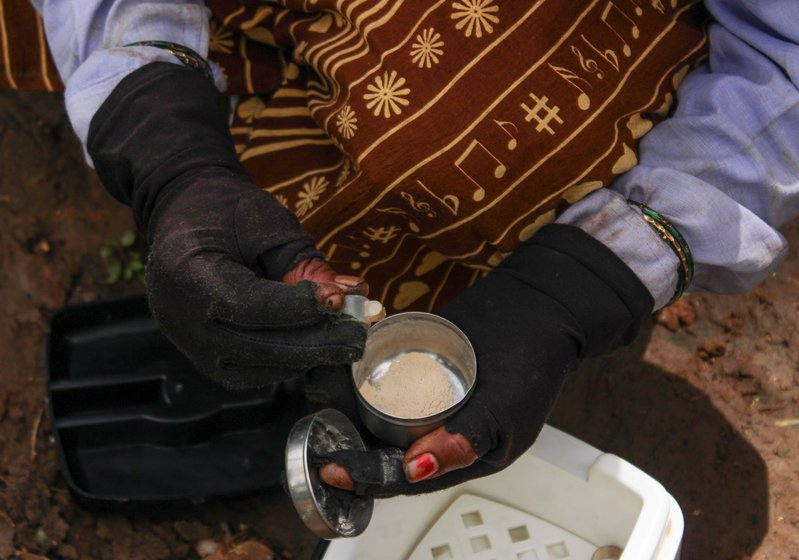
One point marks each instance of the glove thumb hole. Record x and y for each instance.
(336, 476)
(373, 472)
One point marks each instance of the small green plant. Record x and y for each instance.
(123, 259)
(43, 541)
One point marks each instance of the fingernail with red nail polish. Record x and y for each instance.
(421, 467)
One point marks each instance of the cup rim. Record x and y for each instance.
(469, 384)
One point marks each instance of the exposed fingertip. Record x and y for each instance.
(336, 476)
(422, 467)
(335, 302)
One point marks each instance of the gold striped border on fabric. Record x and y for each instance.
(43, 54)
(270, 148)
(7, 70)
(361, 48)
(319, 104)
(25, 61)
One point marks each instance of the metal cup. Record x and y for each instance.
(414, 332)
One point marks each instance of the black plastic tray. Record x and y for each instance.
(137, 427)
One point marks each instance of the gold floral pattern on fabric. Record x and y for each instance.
(310, 193)
(387, 95)
(475, 16)
(221, 39)
(347, 122)
(426, 51)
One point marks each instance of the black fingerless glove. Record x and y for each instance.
(219, 245)
(559, 298)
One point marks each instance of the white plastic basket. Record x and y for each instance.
(563, 499)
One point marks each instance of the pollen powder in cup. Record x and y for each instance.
(414, 386)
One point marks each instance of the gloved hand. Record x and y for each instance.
(559, 298)
(228, 266)
(332, 387)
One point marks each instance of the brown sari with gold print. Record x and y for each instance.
(421, 142)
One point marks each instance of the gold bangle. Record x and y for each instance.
(184, 54)
(671, 235)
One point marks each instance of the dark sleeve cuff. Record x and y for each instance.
(161, 123)
(600, 291)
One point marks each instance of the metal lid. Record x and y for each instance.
(328, 512)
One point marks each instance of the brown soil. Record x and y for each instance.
(706, 401)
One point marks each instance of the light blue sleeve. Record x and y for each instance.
(724, 169)
(87, 39)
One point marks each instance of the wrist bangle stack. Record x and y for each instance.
(187, 56)
(671, 235)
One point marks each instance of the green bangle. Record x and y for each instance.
(674, 239)
(185, 55)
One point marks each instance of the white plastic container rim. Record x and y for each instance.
(595, 496)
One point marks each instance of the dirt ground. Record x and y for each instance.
(706, 401)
